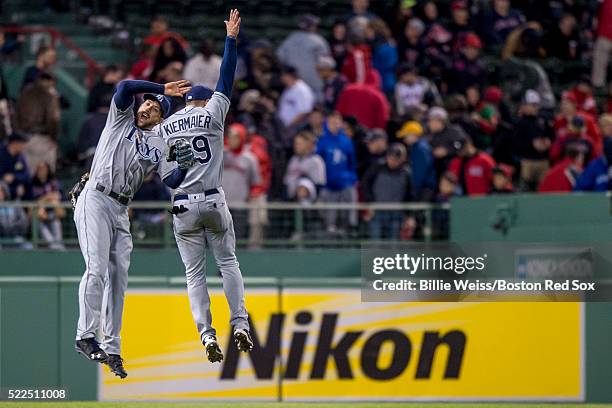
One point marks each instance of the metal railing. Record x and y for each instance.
(93, 68)
(273, 225)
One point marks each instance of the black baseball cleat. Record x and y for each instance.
(90, 348)
(243, 340)
(115, 363)
(213, 351)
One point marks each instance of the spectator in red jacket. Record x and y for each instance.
(572, 126)
(159, 33)
(562, 177)
(473, 169)
(603, 44)
(357, 66)
(368, 104)
(582, 93)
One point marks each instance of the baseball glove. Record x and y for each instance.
(182, 153)
(76, 190)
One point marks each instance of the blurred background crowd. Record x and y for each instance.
(390, 102)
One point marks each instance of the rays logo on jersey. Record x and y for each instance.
(144, 150)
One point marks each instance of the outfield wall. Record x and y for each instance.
(505, 351)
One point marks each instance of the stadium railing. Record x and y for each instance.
(282, 224)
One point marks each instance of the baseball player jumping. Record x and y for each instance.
(129, 149)
(200, 211)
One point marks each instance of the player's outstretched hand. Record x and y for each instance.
(233, 24)
(177, 88)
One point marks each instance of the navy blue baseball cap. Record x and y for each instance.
(199, 93)
(163, 101)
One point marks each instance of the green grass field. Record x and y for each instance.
(287, 405)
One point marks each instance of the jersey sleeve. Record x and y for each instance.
(117, 115)
(218, 106)
(164, 167)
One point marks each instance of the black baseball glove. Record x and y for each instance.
(76, 190)
(182, 153)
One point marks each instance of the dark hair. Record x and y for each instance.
(42, 49)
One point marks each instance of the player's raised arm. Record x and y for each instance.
(230, 55)
(127, 89)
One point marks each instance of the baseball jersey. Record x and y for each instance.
(202, 128)
(126, 154)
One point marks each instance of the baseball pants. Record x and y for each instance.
(103, 229)
(210, 221)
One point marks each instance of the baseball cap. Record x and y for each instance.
(532, 97)
(199, 93)
(397, 150)
(472, 40)
(163, 101)
(438, 113)
(375, 134)
(493, 94)
(308, 21)
(408, 4)
(17, 137)
(411, 127)
(459, 5)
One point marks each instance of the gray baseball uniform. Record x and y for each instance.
(124, 156)
(207, 218)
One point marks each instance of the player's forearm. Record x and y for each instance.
(228, 67)
(175, 178)
(130, 87)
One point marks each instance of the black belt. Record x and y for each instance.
(120, 198)
(186, 196)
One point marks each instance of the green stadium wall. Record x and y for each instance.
(38, 290)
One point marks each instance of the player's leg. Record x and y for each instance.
(94, 231)
(191, 242)
(222, 240)
(114, 293)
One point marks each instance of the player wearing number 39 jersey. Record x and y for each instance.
(199, 207)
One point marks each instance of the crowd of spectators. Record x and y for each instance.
(440, 99)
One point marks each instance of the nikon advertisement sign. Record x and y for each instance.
(325, 344)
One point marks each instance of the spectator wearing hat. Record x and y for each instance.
(302, 49)
(297, 99)
(333, 81)
(596, 176)
(563, 176)
(467, 69)
(571, 126)
(392, 171)
(502, 179)
(412, 90)
(487, 117)
(410, 47)
(498, 23)
(204, 68)
(421, 160)
(473, 169)
(14, 171)
(404, 12)
(445, 139)
(461, 22)
(582, 93)
(603, 45)
(532, 138)
(304, 164)
(38, 118)
(338, 154)
(372, 150)
(366, 103)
